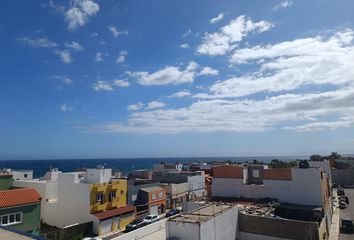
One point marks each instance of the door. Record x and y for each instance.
(106, 226)
(154, 210)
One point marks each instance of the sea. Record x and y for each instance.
(125, 165)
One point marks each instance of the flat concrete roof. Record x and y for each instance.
(4, 234)
(202, 214)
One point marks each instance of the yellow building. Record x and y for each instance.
(108, 203)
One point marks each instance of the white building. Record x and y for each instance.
(210, 222)
(307, 186)
(81, 197)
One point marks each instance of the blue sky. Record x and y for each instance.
(100, 79)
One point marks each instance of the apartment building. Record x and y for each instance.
(81, 197)
(305, 186)
(195, 180)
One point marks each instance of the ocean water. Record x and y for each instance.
(125, 165)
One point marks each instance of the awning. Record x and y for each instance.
(114, 212)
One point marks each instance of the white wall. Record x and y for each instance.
(73, 205)
(252, 236)
(226, 187)
(183, 231)
(326, 167)
(222, 227)
(304, 188)
(154, 231)
(22, 175)
(98, 175)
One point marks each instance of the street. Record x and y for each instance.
(348, 212)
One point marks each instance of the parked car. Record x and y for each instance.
(344, 198)
(342, 204)
(151, 218)
(340, 192)
(135, 224)
(346, 225)
(172, 212)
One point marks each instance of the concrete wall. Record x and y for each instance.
(185, 231)
(73, 205)
(279, 228)
(98, 175)
(22, 174)
(47, 190)
(157, 229)
(252, 236)
(222, 227)
(226, 187)
(304, 188)
(343, 176)
(196, 185)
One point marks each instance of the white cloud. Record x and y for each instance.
(236, 115)
(115, 32)
(80, 12)
(75, 46)
(102, 85)
(136, 107)
(187, 33)
(184, 45)
(181, 94)
(167, 75)
(225, 39)
(217, 18)
(122, 56)
(64, 79)
(38, 42)
(322, 66)
(283, 4)
(320, 126)
(155, 105)
(99, 57)
(66, 108)
(208, 71)
(121, 83)
(64, 55)
(290, 65)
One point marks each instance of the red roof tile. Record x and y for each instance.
(114, 212)
(16, 197)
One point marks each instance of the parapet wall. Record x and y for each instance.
(279, 228)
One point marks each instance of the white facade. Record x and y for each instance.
(215, 223)
(97, 175)
(325, 166)
(304, 188)
(22, 174)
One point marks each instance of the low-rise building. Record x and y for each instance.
(81, 197)
(195, 181)
(20, 209)
(176, 193)
(152, 200)
(209, 222)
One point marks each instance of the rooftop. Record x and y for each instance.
(202, 214)
(152, 189)
(20, 196)
(114, 212)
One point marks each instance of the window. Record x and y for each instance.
(11, 219)
(160, 194)
(25, 175)
(255, 173)
(134, 197)
(153, 196)
(100, 198)
(112, 195)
